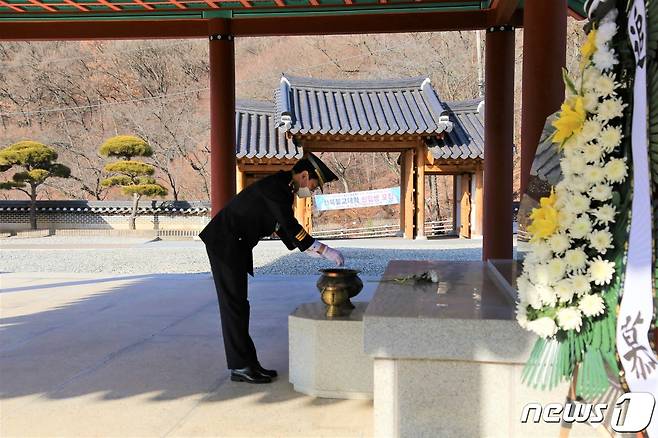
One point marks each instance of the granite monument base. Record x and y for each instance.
(326, 356)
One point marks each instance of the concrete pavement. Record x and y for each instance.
(141, 356)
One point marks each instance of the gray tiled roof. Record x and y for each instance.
(466, 139)
(256, 135)
(397, 106)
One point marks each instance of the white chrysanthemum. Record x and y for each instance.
(592, 152)
(609, 109)
(533, 298)
(571, 184)
(591, 305)
(591, 129)
(569, 318)
(604, 214)
(604, 33)
(601, 241)
(580, 185)
(610, 138)
(576, 259)
(564, 290)
(616, 170)
(565, 219)
(590, 76)
(577, 204)
(601, 271)
(581, 284)
(577, 163)
(522, 314)
(559, 243)
(528, 292)
(593, 174)
(591, 102)
(539, 275)
(581, 227)
(557, 268)
(546, 295)
(601, 192)
(544, 326)
(604, 58)
(605, 85)
(610, 17)
(542, 251)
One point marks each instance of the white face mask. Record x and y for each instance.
(304, 192)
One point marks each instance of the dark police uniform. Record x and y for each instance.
(258, 211)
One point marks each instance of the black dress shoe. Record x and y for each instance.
(269, 373)
(249, 375)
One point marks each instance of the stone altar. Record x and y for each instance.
(326, 356)
(448, 357)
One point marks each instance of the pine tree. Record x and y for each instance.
(134, 177)
(36, 163)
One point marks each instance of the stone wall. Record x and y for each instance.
(55, 215)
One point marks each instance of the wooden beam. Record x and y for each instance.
(222, 115)
(362, 23)
(264, 168)
(46, 29)
(103, 30)
(407, 193)
(419, 195)
(465, 205)
(240, 179)
(449, 169)
(355, 146)
(501, 11)
(478, 201)
(429, 157)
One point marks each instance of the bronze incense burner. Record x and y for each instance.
(337, 287)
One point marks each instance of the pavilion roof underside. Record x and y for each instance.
(91, 10)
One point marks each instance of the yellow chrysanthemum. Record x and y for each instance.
(544, 219)
(588, 49)
(571, 120)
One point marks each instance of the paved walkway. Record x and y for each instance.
(141, 356)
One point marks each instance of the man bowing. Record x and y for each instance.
(259, 210)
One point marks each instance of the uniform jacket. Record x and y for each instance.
(258, 211)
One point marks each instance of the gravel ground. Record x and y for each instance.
(97, 255)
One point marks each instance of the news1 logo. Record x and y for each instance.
(639, 411)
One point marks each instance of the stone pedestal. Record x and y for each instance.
(326, 356)
(448, 357)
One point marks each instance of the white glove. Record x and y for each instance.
(319, 249)
(334, 255)
(314, 249)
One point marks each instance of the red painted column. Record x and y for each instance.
(544, 55)
(498, 143)
(222, 114)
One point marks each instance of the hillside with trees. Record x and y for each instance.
(74, 95)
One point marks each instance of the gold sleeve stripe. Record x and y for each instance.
(301, 235)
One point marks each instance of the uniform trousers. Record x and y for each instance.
(230, 276)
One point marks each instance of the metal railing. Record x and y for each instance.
(439, 228)
(432, 228)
